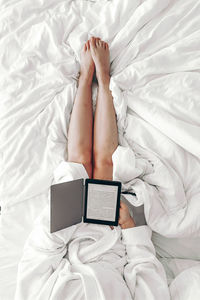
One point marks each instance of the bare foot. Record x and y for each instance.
(101, 56)
(87, 64)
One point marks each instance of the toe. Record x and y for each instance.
(88, 45)
(85, 47)
(103, 44)
(100, 43)
(93, 42)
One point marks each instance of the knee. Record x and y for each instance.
(80, 157)
(84, 159)
(101, 158)
(102, 166)
(102, 163)
(102, 169)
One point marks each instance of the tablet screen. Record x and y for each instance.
(102, 201)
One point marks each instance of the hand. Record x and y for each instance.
(125, 220)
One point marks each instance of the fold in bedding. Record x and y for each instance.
(154, 83)
(88, 261)
(155, 63)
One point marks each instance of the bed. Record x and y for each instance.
(155, 69)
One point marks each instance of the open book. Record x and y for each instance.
(91, 200)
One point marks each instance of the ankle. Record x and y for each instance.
(103, 80)
(85, 80)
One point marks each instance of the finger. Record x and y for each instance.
(121, 212)
(122, 205)
(120, 221)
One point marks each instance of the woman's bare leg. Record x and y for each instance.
(105, 139)
(81, 121)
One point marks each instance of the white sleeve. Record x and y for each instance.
(144, 274)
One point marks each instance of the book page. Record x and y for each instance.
(101, 202)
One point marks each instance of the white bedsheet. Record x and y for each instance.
(155, 63)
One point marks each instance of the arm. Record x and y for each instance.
(144, 274)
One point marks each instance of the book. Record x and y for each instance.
(88, 200)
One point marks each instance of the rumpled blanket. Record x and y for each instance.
(155, 63)
(88, 261)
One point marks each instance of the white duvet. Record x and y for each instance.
(155, 63)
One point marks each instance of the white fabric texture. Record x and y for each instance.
(160, 189)
(88, 261)
(155, 63)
